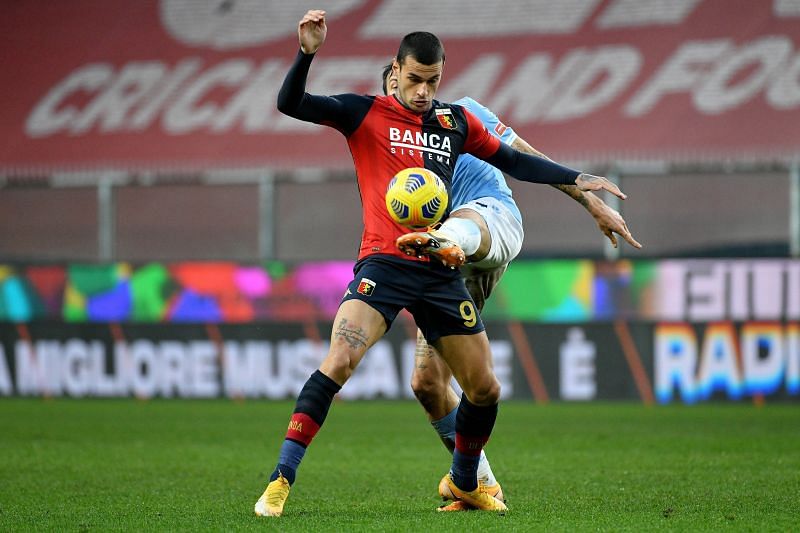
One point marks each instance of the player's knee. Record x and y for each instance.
(426, 389)
(487, 392)
(338, 366)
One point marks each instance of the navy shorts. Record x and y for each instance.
(435, 296)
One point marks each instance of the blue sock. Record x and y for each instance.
(474, 425)
(464, 470)
(288, 461)
(310, 412)
(446, 428)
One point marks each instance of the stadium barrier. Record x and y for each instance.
(574, 330)
(651, 362)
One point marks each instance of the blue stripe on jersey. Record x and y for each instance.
(474, 178)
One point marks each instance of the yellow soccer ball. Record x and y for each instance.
(416, 198)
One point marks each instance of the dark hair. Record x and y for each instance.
(423, 46)
(386, 70)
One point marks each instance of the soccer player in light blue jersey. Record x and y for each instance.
(485, 229)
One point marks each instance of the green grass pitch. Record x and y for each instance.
(95, 465)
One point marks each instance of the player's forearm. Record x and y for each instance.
(530, 168)
(586, 199)
(576, 194)
(293, 90)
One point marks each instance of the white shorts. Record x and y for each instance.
(505, 230)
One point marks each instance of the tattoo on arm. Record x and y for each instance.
(570, 190)
(352, 335)
(573, 192)
(523, 146)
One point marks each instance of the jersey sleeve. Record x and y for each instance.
(343, 111)
(489, 120)
(479, 141)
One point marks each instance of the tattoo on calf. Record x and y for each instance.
(352, 335)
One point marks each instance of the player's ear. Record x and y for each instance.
(396, 67)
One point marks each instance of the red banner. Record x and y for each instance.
(185, 85)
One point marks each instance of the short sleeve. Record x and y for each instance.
(492, 123)
(479, 142)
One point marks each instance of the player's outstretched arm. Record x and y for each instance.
(527, 167)
(292, 96)
(535, 169)
(608, 220)
(293, 100)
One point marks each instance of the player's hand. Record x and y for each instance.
(588, 182)
(610, 222)
(312, 31)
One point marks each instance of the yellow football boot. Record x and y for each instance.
(271, 502)
(495, 490)
(479, 498)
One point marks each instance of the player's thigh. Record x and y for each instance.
(430, 370)
(470, 359)
(481, 283)
(356, 327)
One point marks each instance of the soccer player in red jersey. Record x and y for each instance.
(386, 135)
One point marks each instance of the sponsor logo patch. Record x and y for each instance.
(366, 286)
(500, 129)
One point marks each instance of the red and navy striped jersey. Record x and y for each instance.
(385, 137)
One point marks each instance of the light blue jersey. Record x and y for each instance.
(474, 178)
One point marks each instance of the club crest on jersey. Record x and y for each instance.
(446, 118)
(366, 286)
